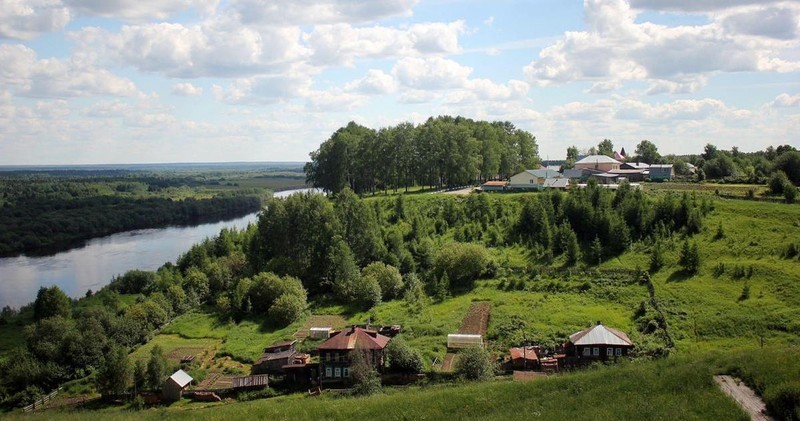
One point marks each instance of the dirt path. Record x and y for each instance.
(745, 396)
(449, 362)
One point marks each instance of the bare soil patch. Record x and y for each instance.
(326, 320)
(476, 321)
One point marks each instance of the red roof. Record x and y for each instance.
(528, 353)
(355, 337)
(495, 183)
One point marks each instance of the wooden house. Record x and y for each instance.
(597, 343)
(531, 179)
(175, 385)
(524, 358)
(336, 354)
(275, 357)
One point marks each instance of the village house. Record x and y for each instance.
(531, 179)
(494, 185)
(336, 354)
(275, 357)
(662, 172)
(597, 343)
(524, 358)
(598, 162)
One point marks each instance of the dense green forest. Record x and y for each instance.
(43, 211)
(443, 151)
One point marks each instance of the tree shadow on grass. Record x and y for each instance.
(680, 276)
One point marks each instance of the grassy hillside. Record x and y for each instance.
(746, 294)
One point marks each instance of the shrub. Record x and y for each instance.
(462, 262)
(473, 364)
(366, 380)
(783, 400)
(387, 276)
(402, 358)
(789, 193)
(287, 308)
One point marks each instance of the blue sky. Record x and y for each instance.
(136, 81)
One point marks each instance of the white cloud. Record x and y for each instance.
(27, 19)
(786, 100)
(26, 75)
(213, 49)
(263, 89)
(140, 10)
(303, 12)
(780, 22)
(430, 73)
(334, 100)
(675, 59)
(341, 44)
(375, 82)
(187, 89)
(695, 5)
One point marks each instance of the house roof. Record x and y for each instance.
(272, 356)
(623, 172)
(543, 173)
(663, 166)
(528, 353)
(557, 183)
(355, 338)
(597, 159)
(637, 165)
(619, 157)
(280, 345)
(600, 335)
(495, 184)
(181, 378)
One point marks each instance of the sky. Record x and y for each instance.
(152, 81)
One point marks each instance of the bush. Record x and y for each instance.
(387, 276)
(462, 262)
(783, 401)
(402, 358)
(366, 380)
(287, 308)
(473, 364)
(789, 193)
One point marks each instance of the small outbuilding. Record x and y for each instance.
(662, 172)
(463, 340)
(320, 332)
(524, 358)
(494, 185)
(275, 357)
(175, 385)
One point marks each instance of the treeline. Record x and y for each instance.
(443, 151)
(35, 225)
(752, 167)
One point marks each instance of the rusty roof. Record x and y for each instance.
(355, 338)
(280, 345)
(528, 353)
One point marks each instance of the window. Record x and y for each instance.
(618, 351)
(336, 357)
(346, 372)
(596, 351)
(327, 356)
(586, 352)
(328, 373)
(610, 352)
(338, 372)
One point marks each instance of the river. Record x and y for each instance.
(93, 265)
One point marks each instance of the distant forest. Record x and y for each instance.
(45, 211)
(443, 152)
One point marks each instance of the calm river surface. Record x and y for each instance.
(92, 266)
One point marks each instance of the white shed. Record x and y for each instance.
(463, 340)
(175, 385)
(320, 332)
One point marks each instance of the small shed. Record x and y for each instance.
(463, 340)
(494, 185)
(320, 332)
(524, 358)
(175, 385)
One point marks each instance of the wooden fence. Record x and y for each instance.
(41, 402)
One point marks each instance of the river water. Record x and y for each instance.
(93, 265)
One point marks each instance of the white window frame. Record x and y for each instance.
(337, 372)
(618, 352)
(596, 351)
(328, 372)
(609, 352)
(587, 352)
